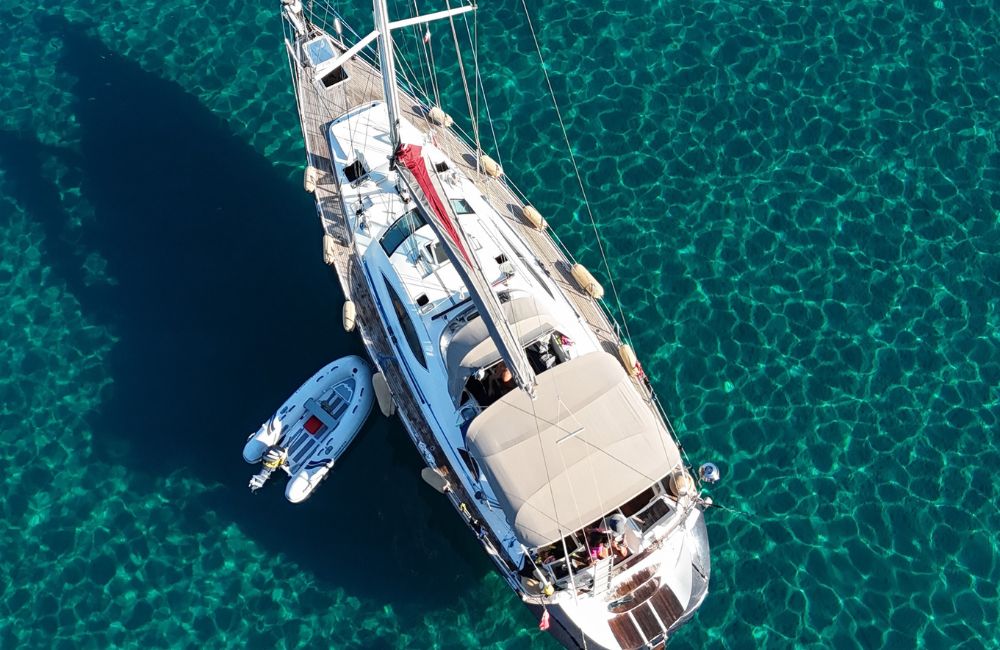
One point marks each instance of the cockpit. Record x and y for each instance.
(477, 374)
(489, 384)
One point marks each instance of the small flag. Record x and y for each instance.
(427, 36)
(544, 623)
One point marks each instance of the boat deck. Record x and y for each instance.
(317, 109)
(363, 86)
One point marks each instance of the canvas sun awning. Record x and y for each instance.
(586, 445)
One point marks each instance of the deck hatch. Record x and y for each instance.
(321, 54)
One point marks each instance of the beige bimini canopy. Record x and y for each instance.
(586, 445)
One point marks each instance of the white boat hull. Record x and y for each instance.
(414, 231)
(316, 424)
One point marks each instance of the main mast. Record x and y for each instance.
(468, 269)
(388, 65)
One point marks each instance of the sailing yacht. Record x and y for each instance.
(497, 351)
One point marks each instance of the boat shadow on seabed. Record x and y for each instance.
(222, 306)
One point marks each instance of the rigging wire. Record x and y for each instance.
(407, 71)
(416, 86)
(428, 47)
(422, 63)
(593, 221)
(555, 509)
(562, 457)
(326, 13)
(475, 61)
(479, 84)
(576, 169)
(475, 119)
(296, 84)
(465, 84)
(416, 83)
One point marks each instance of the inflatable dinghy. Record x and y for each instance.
(313, 427)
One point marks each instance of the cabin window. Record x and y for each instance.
(441, 167)
(461, 206)
(400, 231)
(434, 253)
(319, 50)
(320, 53)
(469, 461)
(406, 324)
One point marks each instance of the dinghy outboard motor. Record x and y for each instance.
(273, 458)
(709, 473)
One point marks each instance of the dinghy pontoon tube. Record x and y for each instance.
(315, 425)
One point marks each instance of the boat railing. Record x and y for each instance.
(662, 510)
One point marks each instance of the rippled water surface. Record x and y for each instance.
(801, 207)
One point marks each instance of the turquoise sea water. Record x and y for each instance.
(801, 206)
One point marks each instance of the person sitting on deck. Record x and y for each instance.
(614, 528)
(619, 548)
(500, 380)
(600, 552)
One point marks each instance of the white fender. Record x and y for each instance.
(629, 360)
(350, 316)
(534, 217)
(439, 117)
(587, 281)
(383, 394)
(490, 167)
(681, 483)
(329, 249)
(309, 179)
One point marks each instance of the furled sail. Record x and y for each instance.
(413, 170)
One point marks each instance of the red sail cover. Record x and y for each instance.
(409, 155)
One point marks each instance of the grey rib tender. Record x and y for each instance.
(595, 445)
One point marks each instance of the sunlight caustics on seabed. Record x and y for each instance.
(800, 204)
